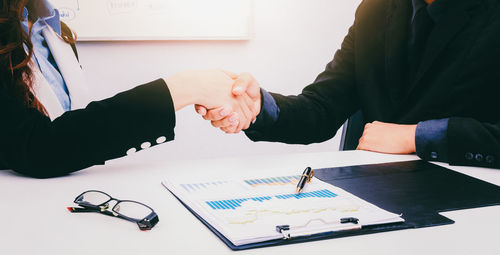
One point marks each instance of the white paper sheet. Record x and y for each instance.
(248, 211)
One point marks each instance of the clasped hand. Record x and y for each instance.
(231, 102)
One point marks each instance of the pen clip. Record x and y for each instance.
(310, 176)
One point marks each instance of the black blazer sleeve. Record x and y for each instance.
(318, 112)
(473, 143)
(34, 145)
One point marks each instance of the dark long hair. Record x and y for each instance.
(15, 73)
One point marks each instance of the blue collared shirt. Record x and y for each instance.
(431, 135)
(42, 55)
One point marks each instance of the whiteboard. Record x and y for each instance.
(104, 20)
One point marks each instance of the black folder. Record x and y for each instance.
(417, 189)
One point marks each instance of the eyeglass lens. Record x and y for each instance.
(132, 209)
(93, 198)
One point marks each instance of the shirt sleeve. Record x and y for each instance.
(431, 140)
(269, 113)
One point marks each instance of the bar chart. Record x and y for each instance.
(233, 204)
(272, 181)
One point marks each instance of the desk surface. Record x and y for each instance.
(35, 219)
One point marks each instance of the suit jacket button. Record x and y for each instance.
(145, 145)
(131, 151)
(479, 157)
(434, 155)
(490, 159)
(469, 156)
(161, 139)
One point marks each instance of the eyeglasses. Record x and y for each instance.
(98, 201)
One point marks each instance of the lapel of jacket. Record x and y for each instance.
(444, 31)
(44, 93)
(69, 67)
(396, 46)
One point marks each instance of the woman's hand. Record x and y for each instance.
(206, 87)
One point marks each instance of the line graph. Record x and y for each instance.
(290, 209)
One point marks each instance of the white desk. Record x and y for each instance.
(35, 221)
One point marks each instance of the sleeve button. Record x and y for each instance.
(479, 157)
(469, 156)
(490, 159)
(161, 139)
(434, 155)
(131, 151)
(145, 145)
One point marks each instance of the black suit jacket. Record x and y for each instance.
(33, 145)
(458, 79)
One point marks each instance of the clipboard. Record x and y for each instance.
(418, 189)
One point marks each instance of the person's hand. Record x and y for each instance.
(209, 88)
(388, 138)
(244, 86)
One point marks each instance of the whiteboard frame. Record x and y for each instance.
(248, 35)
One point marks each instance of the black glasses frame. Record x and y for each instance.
(146, 223)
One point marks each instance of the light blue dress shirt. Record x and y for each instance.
(42, 55)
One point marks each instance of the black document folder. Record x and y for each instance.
(417, 189)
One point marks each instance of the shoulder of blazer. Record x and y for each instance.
(66, 32)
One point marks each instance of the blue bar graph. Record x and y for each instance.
(193, 187)
(282, 180)
(232, 204)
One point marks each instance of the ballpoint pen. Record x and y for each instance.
(307, 176)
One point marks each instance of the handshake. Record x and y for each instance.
(230, 101)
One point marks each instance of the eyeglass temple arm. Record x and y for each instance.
(149, 222)
(80, 209)
(105, 212)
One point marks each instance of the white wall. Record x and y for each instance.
(293, 41)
